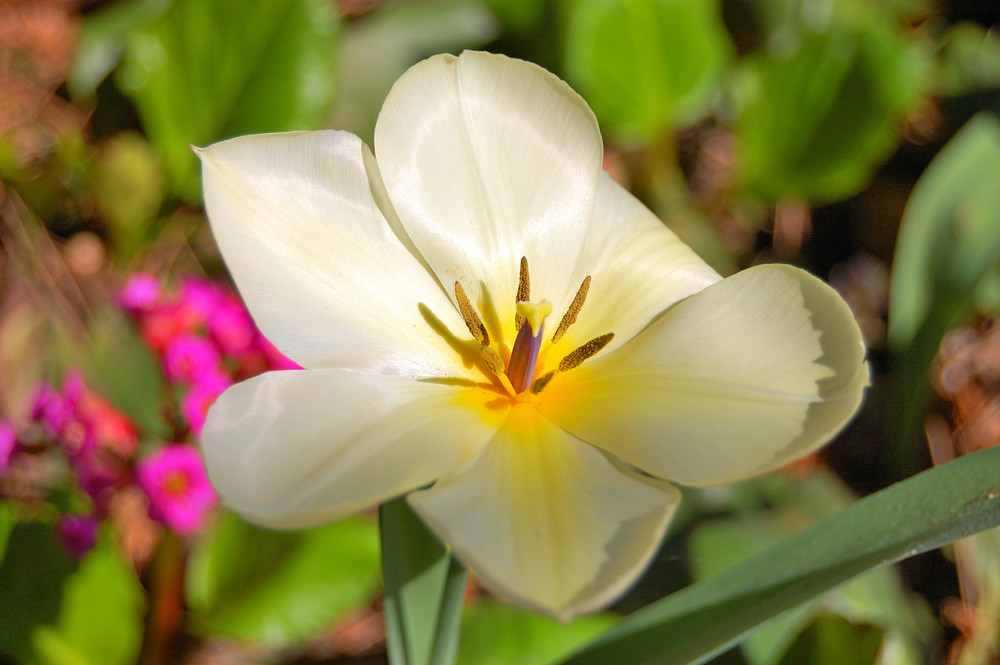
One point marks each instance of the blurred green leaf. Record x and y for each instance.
(32, 574)
(646, 66)
(381, 46)
(833, 640)
(129, 185)
(102, 38)
(822, 106)
(118, 365)
(212, 69)
(916, 515)
(949, 241)
(497, 634)
(101, 615)
(277, 588)
(519, 15)
(969, 59)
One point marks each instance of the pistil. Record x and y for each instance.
(524, 355)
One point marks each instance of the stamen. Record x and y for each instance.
(576, 357)
(523, 291)
(492, 360)
(472, 320)
(569, 318)
(540, 383)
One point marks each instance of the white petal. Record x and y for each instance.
(738, 379)
(638, 269)
(297, 448)
(546, 521)
(488, 159)
(323, 273)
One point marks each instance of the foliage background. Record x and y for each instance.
(800, 131)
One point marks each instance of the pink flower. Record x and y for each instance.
(179, 493)
(195, 403)
(231, 327)
(189, 357)
(78, 533)
(200, 297)
(48, 408)
(8, 442)
(140, 293)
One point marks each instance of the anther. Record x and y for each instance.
(492, 360)
(523, 291)
(472, 320)
(576, 357)
(569, 318)
(539, 384)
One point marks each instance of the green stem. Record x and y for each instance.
(424, 588)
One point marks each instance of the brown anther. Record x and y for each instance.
(539, 384)
(492, 360)
(576, 357)
(569, 318)
(472, 320)
(523, 291)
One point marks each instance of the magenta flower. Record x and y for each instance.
(195, 403)
(140, 294)
(8, 442)
(48, 408)
(231, 328)
(189, 357)
(78, 533)
(180, 495)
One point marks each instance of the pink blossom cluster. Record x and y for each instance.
(204, 337)
(100, 444)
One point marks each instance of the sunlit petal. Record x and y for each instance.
(638, 267)
(324, 275)
(547, 521)
(740, 378)
(298, 448)
(488, 159)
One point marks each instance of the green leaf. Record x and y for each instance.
(102, 38)
(833, 640)
(969, 60)
(212, 69)
(497, 634)
(919, 514)
(646, 66)
(949, 242)
(949, 237)
(278, 588)
(821, 108)
(110, 636)
(424, 590)
(32, 574)
(876, 598)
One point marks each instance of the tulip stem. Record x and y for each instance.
(424, 590)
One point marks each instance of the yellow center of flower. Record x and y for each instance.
(519, 372)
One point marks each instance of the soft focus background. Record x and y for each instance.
(759, 130)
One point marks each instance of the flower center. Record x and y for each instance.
(517, 375)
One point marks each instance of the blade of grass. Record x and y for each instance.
(919, 514)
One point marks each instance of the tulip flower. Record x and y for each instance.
(489, 324)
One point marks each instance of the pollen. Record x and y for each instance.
(577, 356)
(569, 318)
(472, 320)
(523, 291)
(539, 384)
